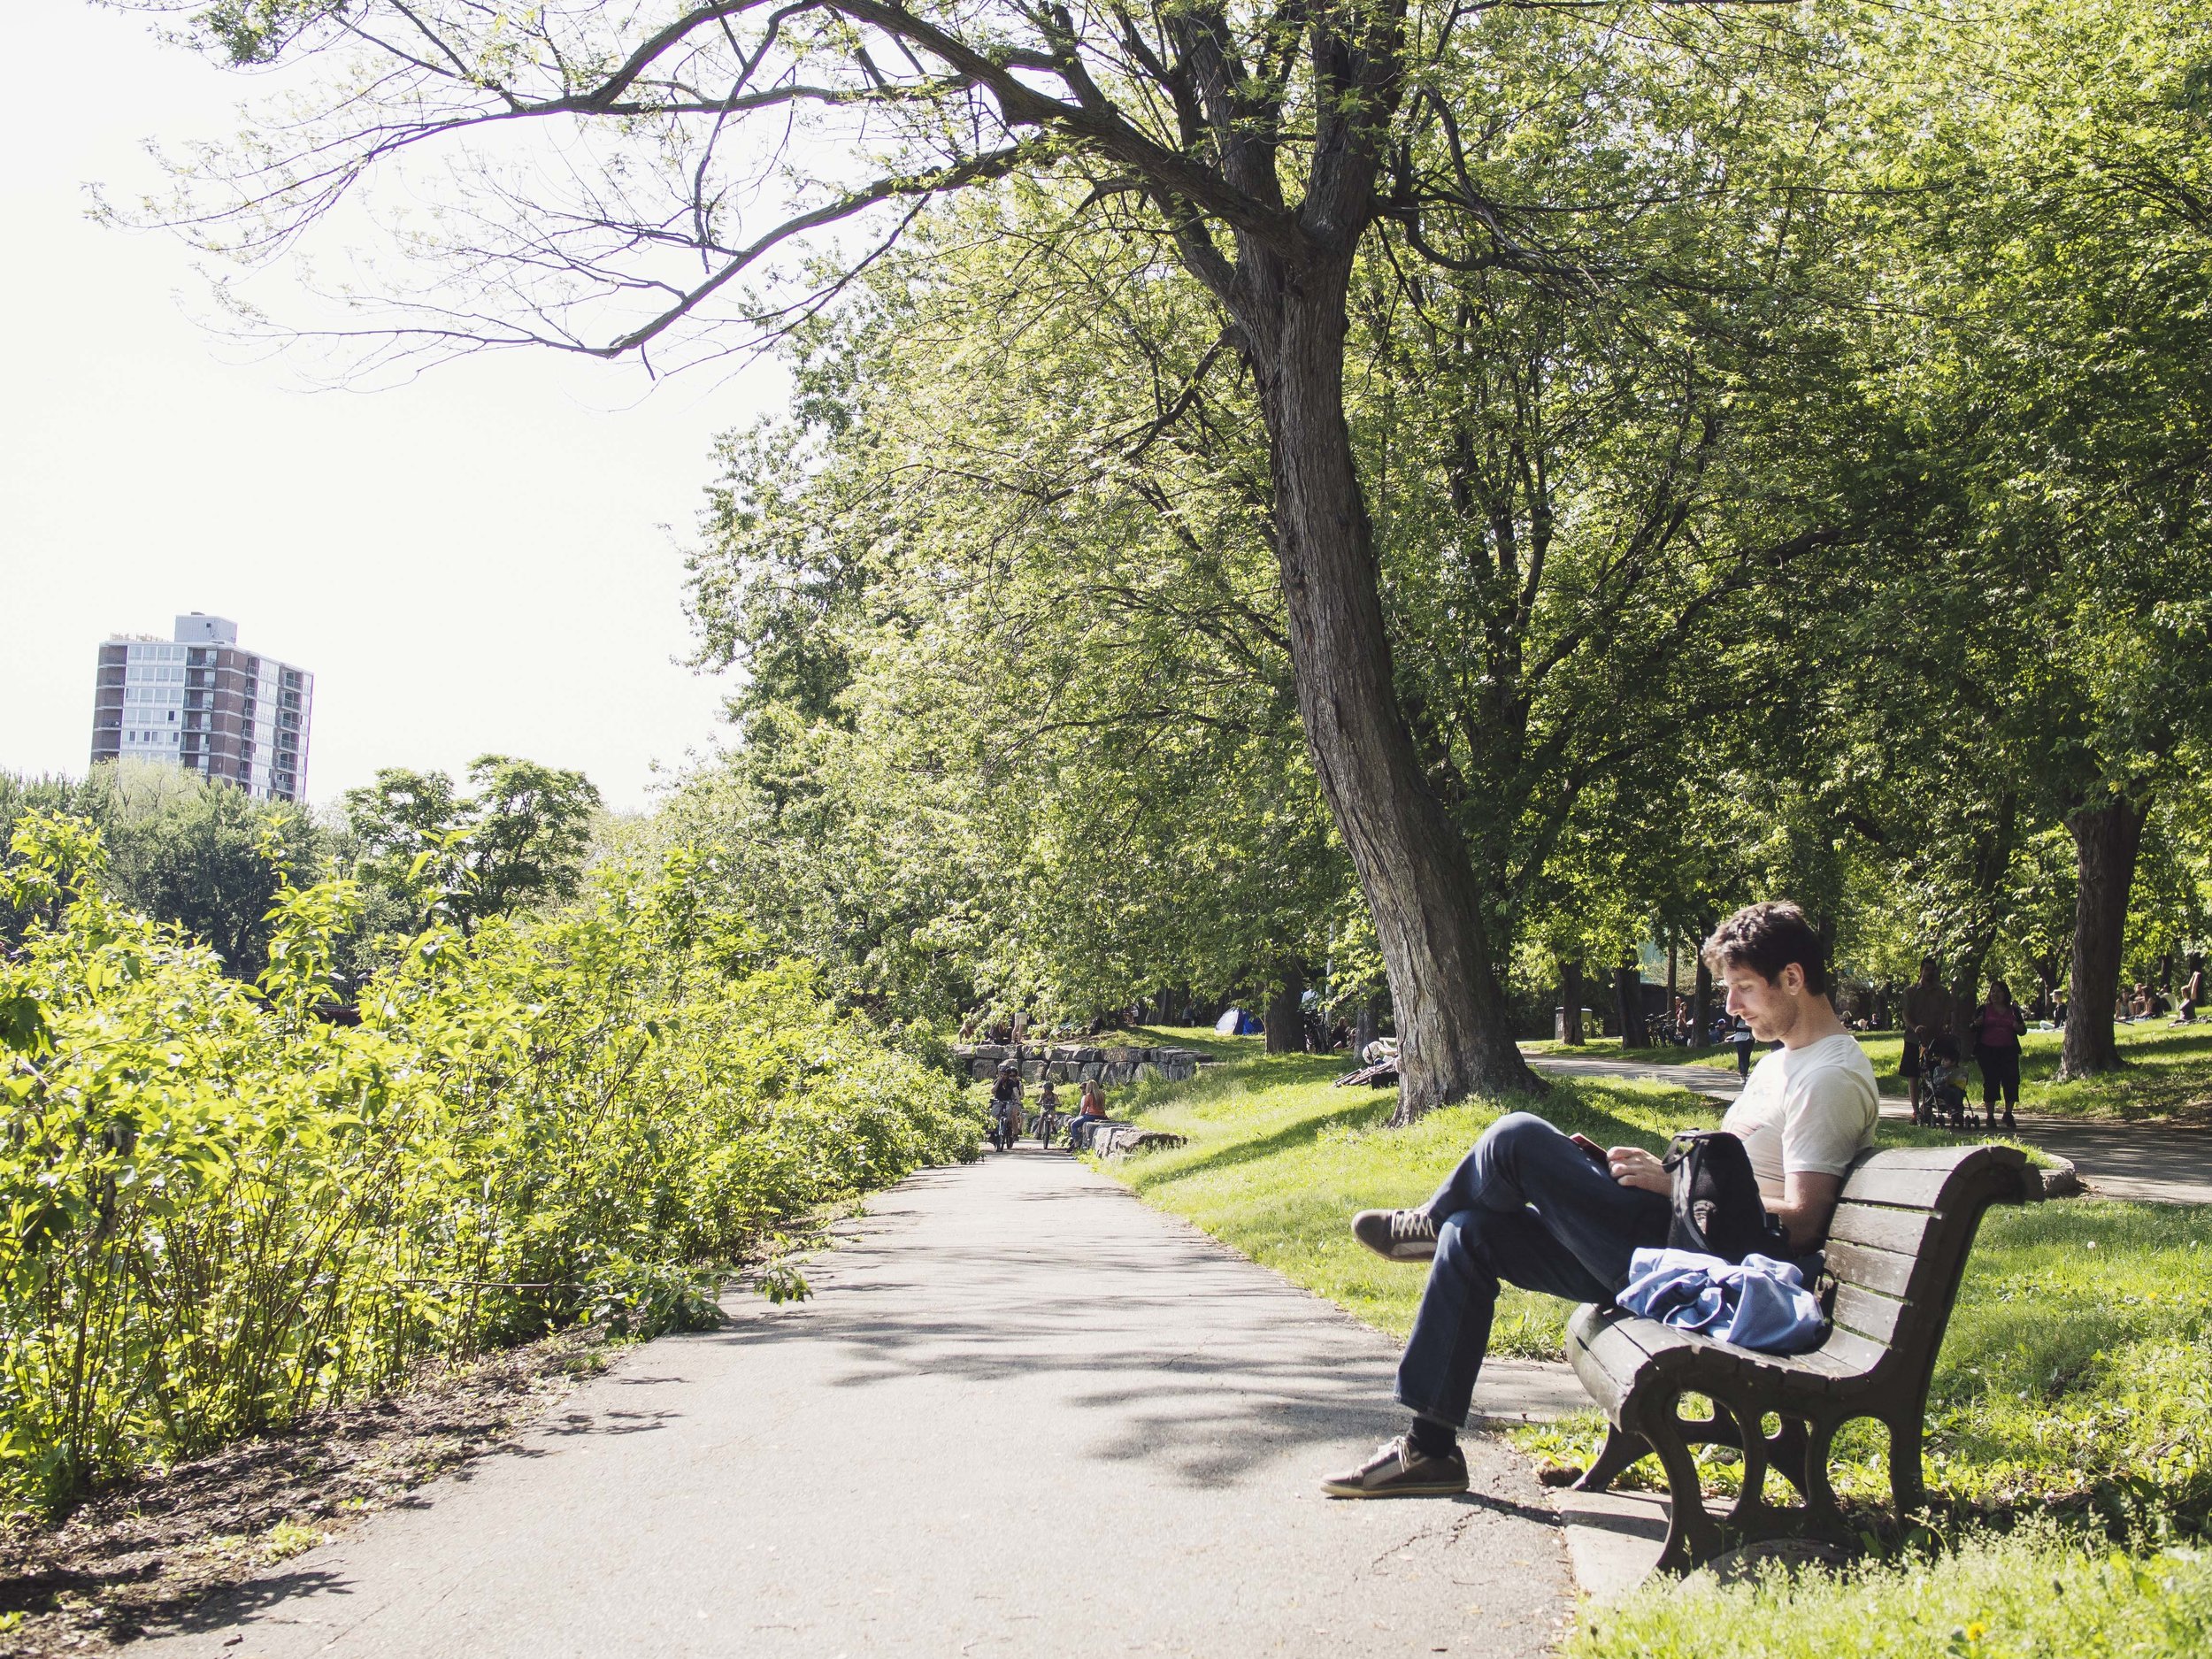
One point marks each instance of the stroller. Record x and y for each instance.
(1942, 1090)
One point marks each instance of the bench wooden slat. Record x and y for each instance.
(1924, 1157)
(1886, 1184)
(1877, 1270)
(1903, 1231)
(1853, 1351)
(1871, 1316)
(1609, 1363)
(1665, 1344)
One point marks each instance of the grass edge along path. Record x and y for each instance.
(2064, 1414)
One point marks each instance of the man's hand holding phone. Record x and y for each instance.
(1632, 1166)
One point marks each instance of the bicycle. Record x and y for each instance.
(1045, 1125)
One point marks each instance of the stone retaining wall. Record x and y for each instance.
(1110, 1063)
(1117, 1140)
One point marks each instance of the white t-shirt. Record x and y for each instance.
(1813, 1107)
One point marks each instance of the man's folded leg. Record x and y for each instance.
(1532, 1210)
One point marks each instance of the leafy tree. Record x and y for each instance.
(517, 838)
(2043, 181)
(181, 848)
(21, 797)
(971, 598)
(1257, 149)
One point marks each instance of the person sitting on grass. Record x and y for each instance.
(1529, 1207)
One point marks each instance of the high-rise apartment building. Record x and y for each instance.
(200, 702)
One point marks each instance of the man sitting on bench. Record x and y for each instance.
(1531, 1206)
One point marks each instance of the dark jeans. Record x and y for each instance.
(2001, 1067)
(1527, 1207)
(1743, 1059)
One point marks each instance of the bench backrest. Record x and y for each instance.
(1897, 1249)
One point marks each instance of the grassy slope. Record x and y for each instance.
(2078, 1370)
(2168, 1072)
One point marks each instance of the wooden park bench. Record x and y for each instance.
(1896, 1249)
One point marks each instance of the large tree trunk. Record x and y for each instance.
(1571, 1000)
(1455, 1031)
(1702, 1003)
(2107, 837)
(1368, 1024)
(1286, 1009)
(1628, 1002)
(1993, 861)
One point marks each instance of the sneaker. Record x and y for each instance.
(1396, 1471)
(1396, 1235)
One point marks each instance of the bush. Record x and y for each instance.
(223, 1207)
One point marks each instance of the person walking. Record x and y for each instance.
(1742, 1035)
(1928, 1014)
(1998, 1025)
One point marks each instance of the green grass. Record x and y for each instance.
(2074, 1382)
(2034, 1594)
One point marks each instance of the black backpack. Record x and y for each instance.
(1718, 1209)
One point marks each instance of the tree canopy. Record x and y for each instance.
(1379, 493)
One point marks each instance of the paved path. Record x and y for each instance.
(2146, 1161)
(1008, 1364)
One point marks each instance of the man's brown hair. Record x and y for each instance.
(1766, 939)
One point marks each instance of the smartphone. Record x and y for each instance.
(1592, 1150)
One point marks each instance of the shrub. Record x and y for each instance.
(224, 1208)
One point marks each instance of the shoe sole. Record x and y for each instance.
(1442, 1489)
(1411, 1253)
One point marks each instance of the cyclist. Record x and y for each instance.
(1047, 1115)
(1006, 1107)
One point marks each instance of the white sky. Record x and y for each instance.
(488, 559)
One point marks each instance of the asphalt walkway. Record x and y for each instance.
(1021, 1415)
(2147, 1163)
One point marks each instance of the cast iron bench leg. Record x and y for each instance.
(1692, 1536)
(1620, 1450)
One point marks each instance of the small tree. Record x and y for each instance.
(517, 839)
